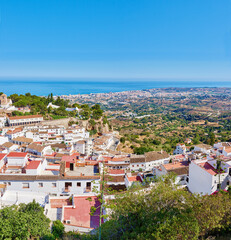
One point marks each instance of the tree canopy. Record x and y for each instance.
(25, 221)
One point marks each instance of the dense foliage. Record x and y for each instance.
(39, 105)
(165, 212)
(25, 221)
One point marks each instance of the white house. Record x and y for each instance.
(153, 159)
(17, 159)
(2, 121)
(179, 168)
(22, 140)
(39, 150)
(137, 162)
(180, 149)
(226, 151)
(84, 146)
(204, 148)
(3, 140)
(14, 133)
(204, 178)
(9, 146)
(35, 167)
(52, 105)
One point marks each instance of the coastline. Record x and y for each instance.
(58, 88)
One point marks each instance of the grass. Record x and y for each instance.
(55, 117)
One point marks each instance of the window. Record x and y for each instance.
(182, 179)
(132, 165)
(137, 165)
(71, 166)
(53, 184)
(68, 185)
(228, 183)
(88, 186)
(25, 185)
(9, 183)
(78, 184)
(40, 184)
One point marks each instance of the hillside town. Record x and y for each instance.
(61, 167)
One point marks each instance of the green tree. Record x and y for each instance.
(25, 221)
(58, 229)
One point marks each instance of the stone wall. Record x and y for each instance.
(63, 121)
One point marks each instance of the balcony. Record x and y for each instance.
(87, 190)
(66, 189)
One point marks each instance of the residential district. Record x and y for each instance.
(61, 167)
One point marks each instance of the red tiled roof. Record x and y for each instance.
(33, 164)
(116, 171)
(17, 154)
(14, 131)
(59, 203)
(2, 155)
(73, 157)
(208, 168)
(50, 155)
(132, 179)
(117, 159)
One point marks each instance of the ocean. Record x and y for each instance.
(43, 87)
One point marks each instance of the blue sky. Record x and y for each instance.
(116, 39)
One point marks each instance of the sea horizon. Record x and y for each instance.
(59, 86)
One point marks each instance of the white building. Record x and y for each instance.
(137, 162)
(226, 151)
(3, 140)
(84, 147)
(16, 160)
(179, 168)
(52, 106)
(180, 149)
(2, 121)
(24, 120)
(37, 177)
(4, 101)
(39, 150)
(204, 178)
(14, 133)
(204, 148)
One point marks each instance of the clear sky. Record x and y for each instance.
(153, 39)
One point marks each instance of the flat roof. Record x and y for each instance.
(80, 215)
(25, 117)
